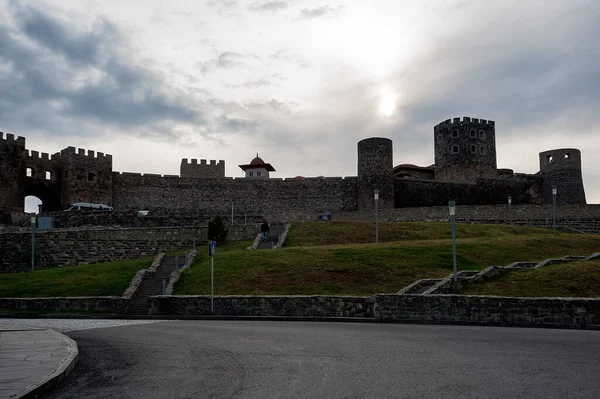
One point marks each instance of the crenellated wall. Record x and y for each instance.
(203, 169)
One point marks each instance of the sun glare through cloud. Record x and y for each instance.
(387, 104)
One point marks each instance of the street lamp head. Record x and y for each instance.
(452, 207)
(554, 190)
(376, 192)
(509, 199)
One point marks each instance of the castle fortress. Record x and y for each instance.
(465, 170)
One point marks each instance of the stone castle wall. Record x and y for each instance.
(418, 193)
(213, 196)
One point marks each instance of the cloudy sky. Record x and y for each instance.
(299, 81)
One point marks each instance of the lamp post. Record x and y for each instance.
(376, 192)
(554, 211)
(32, 241)
(452, 209)
(232, 198)
(509, 209)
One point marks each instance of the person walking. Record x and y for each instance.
(264, 229)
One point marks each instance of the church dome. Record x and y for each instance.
(257, 161)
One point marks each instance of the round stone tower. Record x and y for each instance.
(375, 171)
(562, 168)
(465, 149)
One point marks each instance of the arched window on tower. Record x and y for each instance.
(473, 134)
(455, 149)
(454, 133)
(482, 150)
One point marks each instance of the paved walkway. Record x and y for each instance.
(33, 359)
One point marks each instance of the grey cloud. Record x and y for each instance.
(222, 4)
(236, 124)
(284, 55)
(268, 6)
(225, 60)
(310, 13)
(252, 84)
(61, 74)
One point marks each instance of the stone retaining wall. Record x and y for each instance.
(487, 310)
(303, 306)
(106, 304)
(63, 247)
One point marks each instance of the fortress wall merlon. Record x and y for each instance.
(464, 119)
(11, 138)
(83, 153)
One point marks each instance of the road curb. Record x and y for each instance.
(63, 370)
(558, 326)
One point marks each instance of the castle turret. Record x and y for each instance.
(375, 171)
(561, 168)
(86, 177)
(202, 170)
(465, 150)
(12, 172)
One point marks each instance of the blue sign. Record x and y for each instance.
(212, 248)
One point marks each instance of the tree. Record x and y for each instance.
(216, 230)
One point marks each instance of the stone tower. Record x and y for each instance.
(562, 168)
(375, 171)
(12, 172)
(465, 150)
(86, 177)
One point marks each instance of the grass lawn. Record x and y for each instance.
(102, 279)
(576, 279)
(345, 266)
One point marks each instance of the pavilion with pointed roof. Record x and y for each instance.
(257, 169)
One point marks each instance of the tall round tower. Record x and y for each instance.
(465, 150)
(561, 168)
(375, 171)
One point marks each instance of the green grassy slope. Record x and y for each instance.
(577, 279)
(344, 267)
(102, 279)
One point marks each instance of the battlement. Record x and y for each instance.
(202, 162)
(10, 138)
(80, 152)
(465, 119)
(31, 154)
(205, 169)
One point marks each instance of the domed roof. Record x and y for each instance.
(257, 161)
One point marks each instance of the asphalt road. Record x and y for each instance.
(254, 359)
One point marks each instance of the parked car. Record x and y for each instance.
(86, 206)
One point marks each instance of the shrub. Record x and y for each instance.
(216, 230)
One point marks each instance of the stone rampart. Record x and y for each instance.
(64, 247)
(420, 192)
(213, 196)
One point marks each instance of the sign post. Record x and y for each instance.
(212, 248)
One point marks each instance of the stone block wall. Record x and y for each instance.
(64, 247)
(107, 304)
(421, 193)
(298, 306)
(213, 196)
(441, 309)
(489, 310)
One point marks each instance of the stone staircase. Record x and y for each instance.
(152, 284)
(274, 232)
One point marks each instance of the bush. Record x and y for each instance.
(216, 230)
